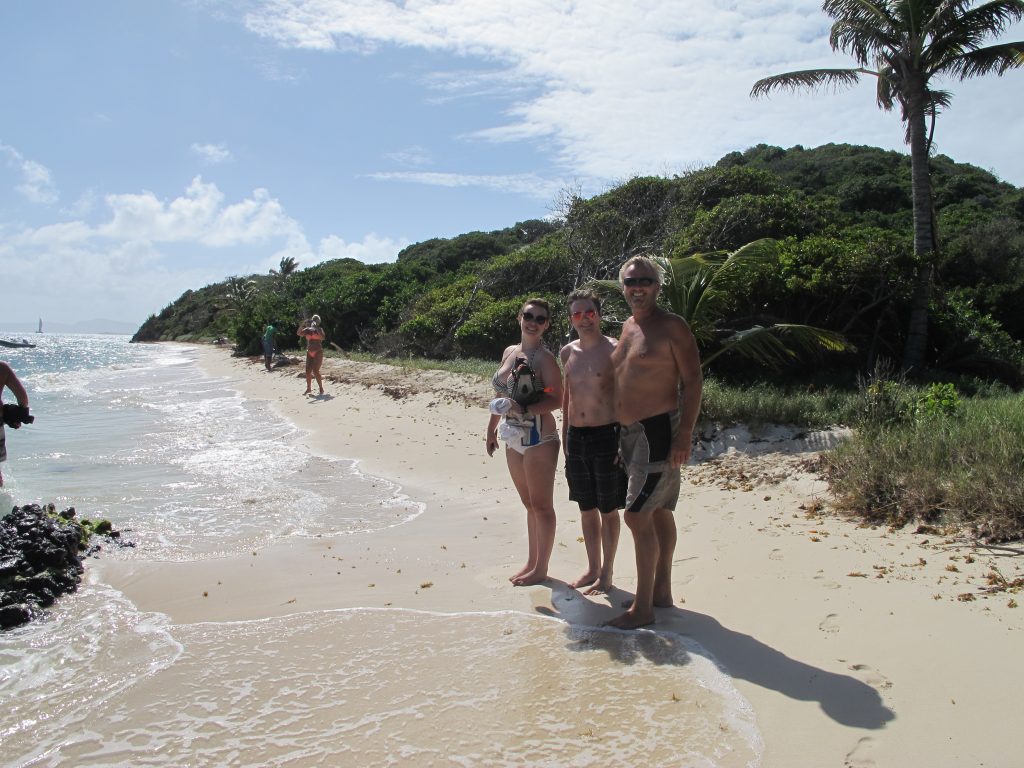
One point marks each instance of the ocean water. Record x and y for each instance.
(191, 470)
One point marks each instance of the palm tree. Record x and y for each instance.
(699, 288)
(905, 44)
(288, 265)
(239, 292)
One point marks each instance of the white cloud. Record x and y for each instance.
(36, 180)
(212, 153)
(83, 206)
(149, 251)
(373, 249)
(411, 157)
(200, 216)
(277, 72)
(522, 184)
(623, 88)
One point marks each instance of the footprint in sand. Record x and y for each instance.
(827, 583)
(775, 554)
(872, 677)
(830, 624)
(862, 755)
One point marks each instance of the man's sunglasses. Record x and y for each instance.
(532, 318)
(646, 282)
(587, 313)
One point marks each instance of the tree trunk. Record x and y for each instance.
(924, 254)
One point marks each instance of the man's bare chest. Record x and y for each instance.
(638, 348)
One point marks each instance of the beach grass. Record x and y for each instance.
(813, 407)
(468, 365)
(962, 469)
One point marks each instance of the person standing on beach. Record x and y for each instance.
(658, 385)
(10, 380)
(590, 439)
(313, 333)
(268, 345)
(528, 385)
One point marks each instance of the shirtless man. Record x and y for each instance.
(658, 386)
(10, 380)
(590, 436)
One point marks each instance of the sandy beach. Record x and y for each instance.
(853, 645)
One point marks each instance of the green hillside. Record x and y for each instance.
(840, 215)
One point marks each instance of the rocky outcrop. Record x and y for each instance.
(41, 554)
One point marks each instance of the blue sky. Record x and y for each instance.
(151, 147)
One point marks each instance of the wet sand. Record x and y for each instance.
(853, 645)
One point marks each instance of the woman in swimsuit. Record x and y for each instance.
(528, 428)
(314, 336)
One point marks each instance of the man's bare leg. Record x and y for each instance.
(645, 543)
(590, 520)
(665, 525)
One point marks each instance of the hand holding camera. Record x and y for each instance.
(15, 415)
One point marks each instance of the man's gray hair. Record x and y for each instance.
(647, 261)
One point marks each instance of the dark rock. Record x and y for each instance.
(40, 559)
(14, 615)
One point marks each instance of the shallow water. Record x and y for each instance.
(391, 687)
(190, 469)
(137, 434)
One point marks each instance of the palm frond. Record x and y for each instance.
(695, 301)
(939, 100)
(757, 344)
(863, 40)
(987, 20)
(808, 78)
(858, 9)
(699, 288)
(962, 29)
(994, 58)
(887, 93)
(779, 344)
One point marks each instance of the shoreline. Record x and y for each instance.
(850, 643)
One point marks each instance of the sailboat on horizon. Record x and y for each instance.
(40, 328)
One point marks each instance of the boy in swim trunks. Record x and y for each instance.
(658, 386)
(590, 438)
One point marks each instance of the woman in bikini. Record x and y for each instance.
(528, 385)
(314, 336)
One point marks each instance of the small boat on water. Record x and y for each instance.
(16, 344)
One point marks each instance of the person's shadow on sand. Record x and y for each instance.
(325, 397)
(845, 699)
